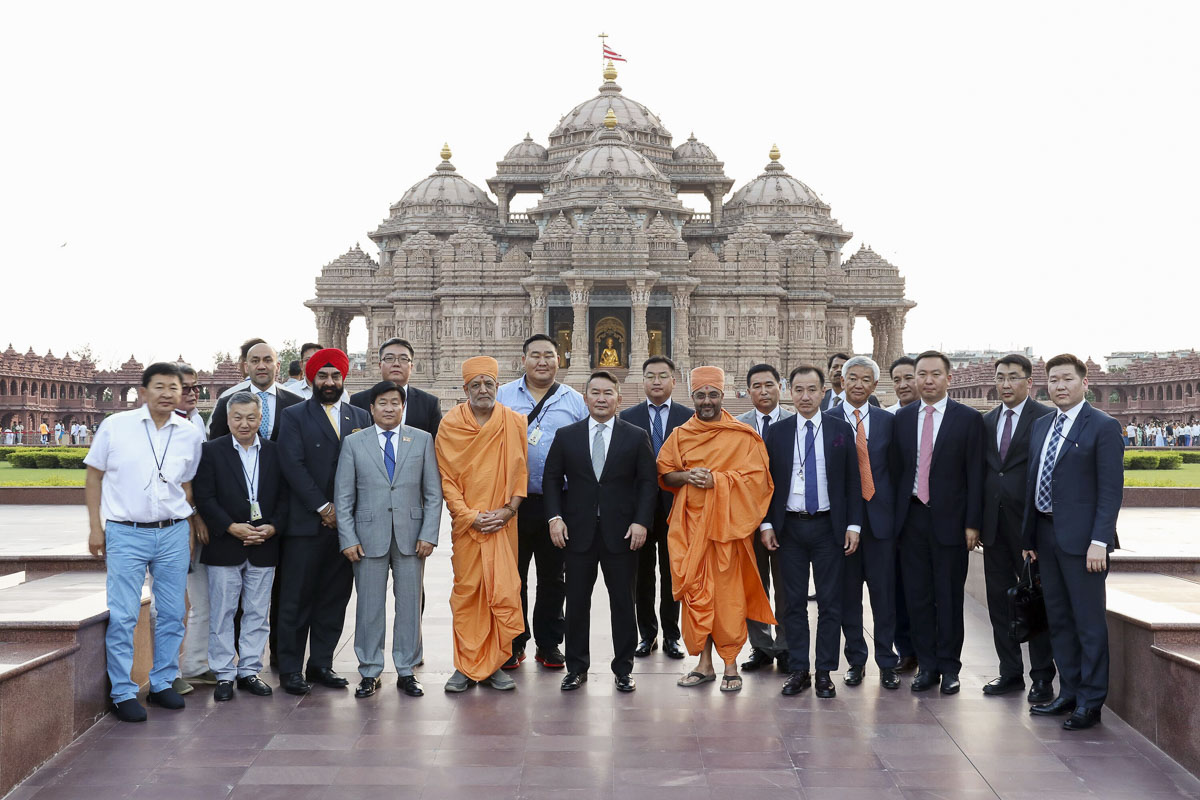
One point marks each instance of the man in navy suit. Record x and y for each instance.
(315, 579)
(600, 518)
(939, 468)
(815, 517)
(1007, 450)
(1073, 495)
(875, 560)
(658, 415)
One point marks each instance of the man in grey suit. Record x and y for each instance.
(764, 385)
(389, 498)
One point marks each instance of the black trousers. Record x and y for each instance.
(874, 562)
(904, 645)
(803, 542)
(1002, 565)
(771, 575)
(316, 584)
(935, 578)
(620, 572)
(1076, 603)
(654, 555)
(533, 542)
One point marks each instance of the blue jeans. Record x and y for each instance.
(130, 551)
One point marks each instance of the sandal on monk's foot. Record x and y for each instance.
(731, 683)
(695, 679)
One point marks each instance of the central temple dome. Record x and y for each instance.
(589, 115)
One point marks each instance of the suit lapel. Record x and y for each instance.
(1068, 442)
(942, 431)
(404, 447)
(347, 421)
(613, 444)
(317, 411)
(1024, 423)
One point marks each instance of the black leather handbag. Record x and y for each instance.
(1026, 606)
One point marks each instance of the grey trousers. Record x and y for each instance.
(370, 613)
(226, 585)
(769, 572)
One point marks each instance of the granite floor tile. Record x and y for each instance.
(567, 777)
(116, 775)
(290, 775)
(268, 791)
(368, 792)
(753, 778)
(853, 793)
(755, 793)
(527, 792)
(152, 791)
(663, 759)
(845, 778)
(435, 791)
(855, 759)
(773, 759)
(956, 793)
(362, 775)
(474, 776)
(943, 781)
(666, 778)
(84, 792)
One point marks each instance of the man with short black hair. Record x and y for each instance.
(139, 500)
(547, 406)
(658, 415)
(904, 382)
(396, 359)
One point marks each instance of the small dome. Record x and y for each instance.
(446, 186)
(774, 186)
(526, 150)
(612, 156)
(694, 150)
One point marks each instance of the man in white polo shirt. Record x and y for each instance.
(139, 500)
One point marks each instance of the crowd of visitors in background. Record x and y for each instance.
(60, 435)
(1160, 433)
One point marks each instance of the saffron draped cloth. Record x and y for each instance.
(713, 571)
(482, 469)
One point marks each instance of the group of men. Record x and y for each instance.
(302, 494)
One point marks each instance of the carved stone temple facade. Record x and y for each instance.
(611, 262)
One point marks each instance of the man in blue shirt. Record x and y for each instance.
(548, 405)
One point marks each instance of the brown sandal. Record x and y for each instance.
(699, 678)
(731, 683)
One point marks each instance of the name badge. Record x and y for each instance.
(406, 438)
(255, 512)
(535, 437)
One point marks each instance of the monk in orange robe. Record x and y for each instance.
(718, 470)
(482, 458)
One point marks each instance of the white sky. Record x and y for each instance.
(1031, 168)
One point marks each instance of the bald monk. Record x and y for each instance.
(482, 457)
(718, 470)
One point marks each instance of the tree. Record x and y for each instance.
(84, 353)
(287, 354)
(219, 357)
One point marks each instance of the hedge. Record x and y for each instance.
(45, 457)
(1141, 461)
(1170, 461)
(72, 460)
(1190, 457)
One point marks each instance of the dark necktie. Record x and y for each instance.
(766, 425)
(811, 501)
(656, 428)
(1006, 435)
(1045, 496)
(389, 454)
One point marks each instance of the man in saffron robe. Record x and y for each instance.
(718, 469)
(481, 455)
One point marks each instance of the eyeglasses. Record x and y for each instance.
(391, 359)
(193, 389)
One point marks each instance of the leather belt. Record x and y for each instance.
(1045, 514)
(164, 523)
(806, 515)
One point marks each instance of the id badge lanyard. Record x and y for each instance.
(252, 486)
(158, 462)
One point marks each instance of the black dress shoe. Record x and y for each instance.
(757, 660)
(254, 685)
(514, 661)
(367, 687)
(784, 663)
(294, 683)
(925, 681)
(1003, 685)
(907, 664)
(888, 678)
(550, 659)
(824, 684)
(410, 685)
(854, 675)
(326, 677)
(672, 649)
(130, 711)
(223, 692)
(645, 647)
(625, 683)
(1082, 718)
(1041, 692)
(796, 683)
(573, 680)
(1055, 708)
(167, 698)
(950, 684)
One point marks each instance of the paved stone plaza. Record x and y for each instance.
(660, 743)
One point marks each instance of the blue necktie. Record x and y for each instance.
(811, 502)
(766, 426)
(1044, 495)
(264, 427)
(656, 429)
(389, 454)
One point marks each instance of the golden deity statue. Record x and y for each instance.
(608, 356)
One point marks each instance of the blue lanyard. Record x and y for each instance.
(158, 462)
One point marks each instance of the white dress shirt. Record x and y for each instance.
(939, 413)
(194, 417)
(834, 399)
(127, 449)
(1016, 417)
(607, 427)
(800, 476)
(381, 435)
(864, 412)
(250, 465)
(758, 418)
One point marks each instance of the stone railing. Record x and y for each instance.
(700, 219)
(519, 219)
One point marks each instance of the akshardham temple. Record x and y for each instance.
(610, 261)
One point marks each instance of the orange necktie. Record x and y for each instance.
(864, 460)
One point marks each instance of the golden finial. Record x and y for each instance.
(445, 152)
(774, 154)
(610, 119)
(610, 72)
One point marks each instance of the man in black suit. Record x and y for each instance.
(658, 415)
(241, 494)
(601, 520)
(316, 580)
(421, 410)
(1007, 451)
(1072, 497)
(815, 517)
(939, 465)
(875, 560)
(262, 368)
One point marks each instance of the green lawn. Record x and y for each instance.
(12, 476)
(1187, 475)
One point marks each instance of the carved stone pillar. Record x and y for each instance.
(325, 326)
(639, 340)
(895, 336)
(537, 308)
(581, 345)
(880, 324)
(502, 198)
(715, 201)
(681, 303)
